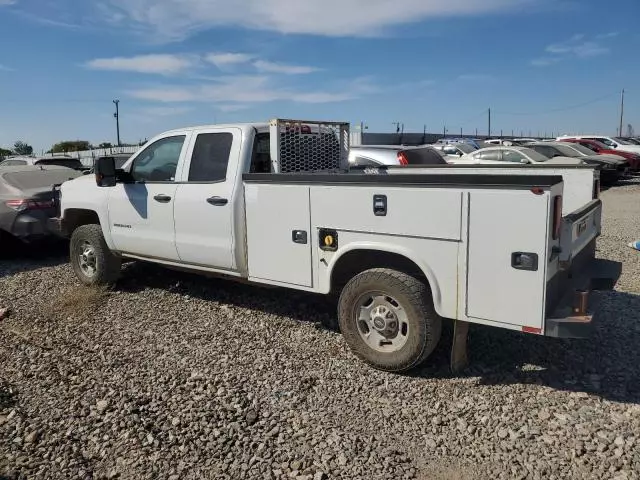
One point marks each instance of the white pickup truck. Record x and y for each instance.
(275, 203)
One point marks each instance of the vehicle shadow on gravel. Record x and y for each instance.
(300, 306)
(17, 257)
(606, 365)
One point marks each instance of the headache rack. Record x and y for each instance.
(308, 146)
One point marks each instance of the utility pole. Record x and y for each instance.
(444, 132)
(489, 129)
(476, 131)
(117, 117)
(460, 132)
(621, 112)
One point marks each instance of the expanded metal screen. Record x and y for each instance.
(308, 146)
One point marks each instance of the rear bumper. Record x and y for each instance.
(30, 226)
(577, 311)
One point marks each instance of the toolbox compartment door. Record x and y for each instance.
(507, 256)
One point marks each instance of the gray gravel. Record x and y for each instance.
(175, 376)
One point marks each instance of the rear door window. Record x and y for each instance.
(424, 156)
(210, 157)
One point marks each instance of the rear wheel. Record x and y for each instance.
(388, 320)
(91, 259)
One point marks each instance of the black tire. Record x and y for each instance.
(424, 325)
(107, 265)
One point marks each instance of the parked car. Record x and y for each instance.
(511, 155)
(501, 141)
(611, 167)
(632, 140)
(602, 149)
(454, 150)
(376, 155)
(62, 161)
(320, 229)
(26, 199)
(471, 141)
(612, 142)
(119, 158)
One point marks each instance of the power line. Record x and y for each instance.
(562, 109)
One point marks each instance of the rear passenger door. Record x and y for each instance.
(206, 198)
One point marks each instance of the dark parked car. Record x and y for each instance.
(26, 199)
(611, 168)
(602, 149)
(377, 155)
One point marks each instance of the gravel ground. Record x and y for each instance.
(172, 376)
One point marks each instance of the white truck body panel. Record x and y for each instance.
(273, 213)
(497, 291)
(578, 181)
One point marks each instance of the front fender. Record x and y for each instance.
(388, 248)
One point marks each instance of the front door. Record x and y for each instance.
(141, 213)
(207, 199)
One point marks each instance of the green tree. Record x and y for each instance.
(71, 146)
(105, 145)
(4, 153)
(22, 148)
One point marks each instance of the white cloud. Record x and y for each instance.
(544, 61)
(578, 46)
(178, 19)
(271, 67)
(222, 60)
(475, 77)
(159, 64)
(235, 92)
(604, 36)
(232, 107)
(164, 111)
(8, 2)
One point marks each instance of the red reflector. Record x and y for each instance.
(402, 159)
(557, 216)
(537, 331)
(28, 204)
(537, 190)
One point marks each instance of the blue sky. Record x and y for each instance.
(541, 65)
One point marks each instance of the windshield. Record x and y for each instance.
(533, 155)
(465, 147)
(568, 151)
(582, 149)
(621, 141)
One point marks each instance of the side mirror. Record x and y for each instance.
(524, 160)
(105, 172)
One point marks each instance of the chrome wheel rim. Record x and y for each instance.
(382, 322)
(87, 259)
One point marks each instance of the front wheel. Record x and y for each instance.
(388, 320)
(91, 259)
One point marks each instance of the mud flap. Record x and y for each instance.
(459, 352)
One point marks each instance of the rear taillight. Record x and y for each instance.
(21, 205)
(557, 216)
(402, 159)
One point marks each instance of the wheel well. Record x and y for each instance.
(75, 217)
(357, 261)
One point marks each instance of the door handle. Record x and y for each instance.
(217, 201)
(162, 198)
